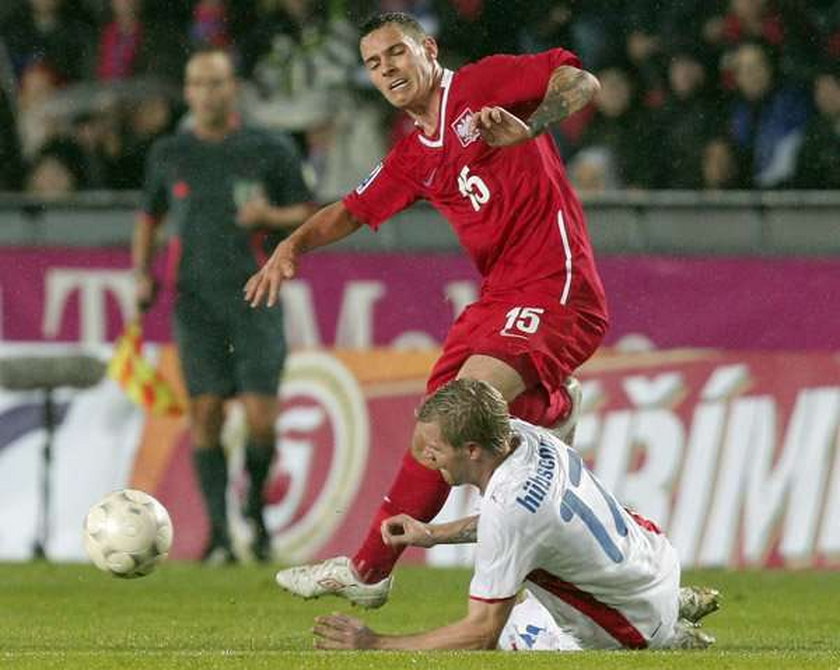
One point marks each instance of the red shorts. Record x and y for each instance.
(538, 337)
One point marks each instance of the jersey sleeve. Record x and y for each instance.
(520, 82)
(285, 182)
(155, 198)
(504, 555)
(384, 192)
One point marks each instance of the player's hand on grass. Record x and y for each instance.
(499, 128)
(339, 631)
(145, 291)
(403, 530)
(264, 286)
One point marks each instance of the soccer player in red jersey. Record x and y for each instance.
(480, 155)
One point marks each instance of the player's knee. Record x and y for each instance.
(496, 372)
(261, 431)
(206, 436)
(260, 417)
(261, 422)
(206, 423)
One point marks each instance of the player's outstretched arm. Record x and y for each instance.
(480, 629)
(329, 224)
(403, 530)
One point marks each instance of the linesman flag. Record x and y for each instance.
(141, 381)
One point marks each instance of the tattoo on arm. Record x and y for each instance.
(569, 90)
(463, 531)
(467, 534)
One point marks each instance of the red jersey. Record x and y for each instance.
(512, 208)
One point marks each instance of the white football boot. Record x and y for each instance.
(565, 429)
(335, 576)
(698, 601)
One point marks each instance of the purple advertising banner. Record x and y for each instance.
(409, 300)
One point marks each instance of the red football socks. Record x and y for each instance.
(417, 491)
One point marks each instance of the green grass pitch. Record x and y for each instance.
(187, 616)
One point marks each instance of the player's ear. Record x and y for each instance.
(430, 47)
(473, 450)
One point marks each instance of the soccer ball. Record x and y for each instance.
(127, 533)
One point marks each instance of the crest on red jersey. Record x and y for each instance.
(464, 129)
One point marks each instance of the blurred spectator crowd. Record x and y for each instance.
(696, 94)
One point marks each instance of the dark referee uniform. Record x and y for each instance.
(226, 348)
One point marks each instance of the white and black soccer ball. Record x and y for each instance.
(127, 533)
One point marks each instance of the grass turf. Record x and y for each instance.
(187, 616)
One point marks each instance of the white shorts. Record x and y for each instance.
(531, 628)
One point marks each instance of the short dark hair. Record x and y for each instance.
(210, 50)
(469, 410)
(405, 21)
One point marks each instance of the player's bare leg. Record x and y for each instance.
(206, 415)
(501, 376)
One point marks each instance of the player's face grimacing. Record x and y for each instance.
(402, 67)
(439, 455)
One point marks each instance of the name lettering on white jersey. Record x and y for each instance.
(536, 488)
(463, 127)
(367, 181)
(473, 187)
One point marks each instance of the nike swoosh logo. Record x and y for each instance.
(428, 180)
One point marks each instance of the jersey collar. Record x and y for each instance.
(503, 470)
(437, 142)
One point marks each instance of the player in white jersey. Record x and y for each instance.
(604, 577)
(544, 519)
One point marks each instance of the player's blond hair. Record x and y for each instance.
(469, 410)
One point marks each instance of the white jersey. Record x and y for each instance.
(605, 575)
